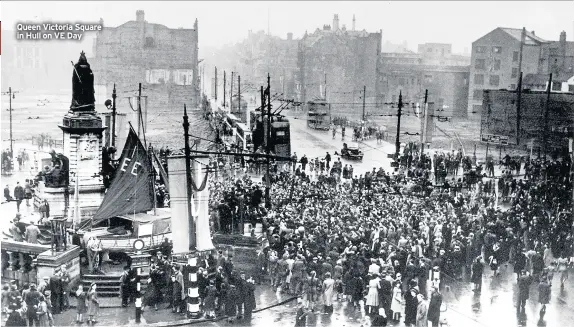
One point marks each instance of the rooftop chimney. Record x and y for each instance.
(289, 36)
(563, 37)
(533, 33)
(336, 22)
(140, 16)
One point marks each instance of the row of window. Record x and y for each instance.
(481, 63)
(497, 50)
(493, 80)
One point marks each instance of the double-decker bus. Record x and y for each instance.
(318, 114)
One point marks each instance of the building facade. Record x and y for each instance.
(338, 64)
(433, 68)
(164, 60)
(500, 56)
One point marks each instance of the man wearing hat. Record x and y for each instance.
(57, 291)
(32, 299)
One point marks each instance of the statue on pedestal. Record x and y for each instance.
(83, 98)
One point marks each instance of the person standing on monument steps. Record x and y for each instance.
(7, 195)
(18, 195)
(125, 286)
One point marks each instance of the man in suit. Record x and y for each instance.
(32, 232)
(386, 293)
(18, 195)
(57, 291)
(523, 291)
(125, 286)
(15, 231)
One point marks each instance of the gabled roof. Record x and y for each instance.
(516, 33)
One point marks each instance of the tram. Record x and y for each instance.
(280, 134)
(319, 115)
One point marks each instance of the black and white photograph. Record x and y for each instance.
(287, 163)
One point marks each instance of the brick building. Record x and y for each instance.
(500, 56)
(440, 54)
(344, 60)
(164, 60)
(499, 117)
(447, 86)
(433, 68)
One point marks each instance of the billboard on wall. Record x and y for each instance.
(500, 118)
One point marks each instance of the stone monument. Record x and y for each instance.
(76, 170)
(79, 167)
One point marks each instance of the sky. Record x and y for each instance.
(221, 22)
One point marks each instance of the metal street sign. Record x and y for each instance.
(494, 139)
(141, 260)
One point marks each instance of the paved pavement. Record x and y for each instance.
(495, 307)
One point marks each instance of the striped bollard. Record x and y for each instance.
(139, 297)
(193, 311)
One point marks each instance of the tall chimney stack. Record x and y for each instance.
(140, 16)
(353, 22)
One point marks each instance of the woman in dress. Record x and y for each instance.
(563, 269)
(153, 296)
(372, 301)
(543, 295)
(42, 312)
(328, 290)
(397, 302)
(81, 307)
(209, 302)
(93, 304)
(494, 258)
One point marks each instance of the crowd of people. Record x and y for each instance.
(370, 240)
(35, 305)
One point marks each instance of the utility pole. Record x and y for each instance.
(364, 99)
(546, 115)
(11, 95)
(398, 142)
(325, 87)
(231, 94)
(518, 108)
(224, 84)
(239, 94)
(113, 133)
(139, 109)
(425, 124)
(268, 178)
(188, 178)
(215, 86)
